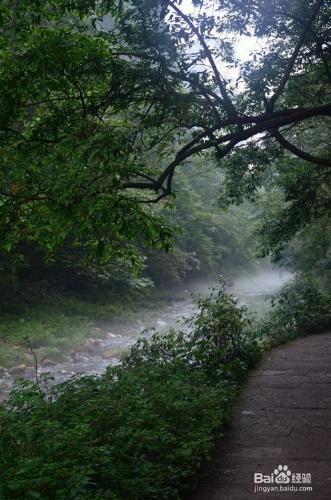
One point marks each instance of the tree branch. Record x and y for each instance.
(319, 46)
(263, 123)
(323, 162)
(35, 366)
(232, 112)
(290, 66)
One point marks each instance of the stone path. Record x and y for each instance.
(283, 417)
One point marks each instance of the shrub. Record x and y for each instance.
(139, 430)
(217, 337)
(300, 308)
(129, 434)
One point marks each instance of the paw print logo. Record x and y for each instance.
(282, 474)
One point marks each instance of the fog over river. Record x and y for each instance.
(108, 341)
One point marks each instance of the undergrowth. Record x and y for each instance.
(144, 427)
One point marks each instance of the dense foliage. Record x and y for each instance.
(139, 430)
(102, 100)
(301, 308)
(207, 242)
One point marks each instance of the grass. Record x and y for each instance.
(59, 323)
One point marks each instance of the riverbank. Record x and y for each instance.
(72, 336)
(68, 335)
(60, 324)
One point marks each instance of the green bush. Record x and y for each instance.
(300, 308)
(139, 430)
(218, 336)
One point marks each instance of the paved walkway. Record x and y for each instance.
(283, 417)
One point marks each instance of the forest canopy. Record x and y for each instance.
(103, 101)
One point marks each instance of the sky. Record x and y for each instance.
(245, 44)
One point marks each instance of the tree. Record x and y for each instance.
(102, 101)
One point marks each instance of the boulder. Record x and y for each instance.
(82, 359)
(89, 343)
(18, 370)
(99, 342)
(110, 353)
(48, 362)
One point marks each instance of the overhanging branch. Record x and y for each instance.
(323, 162)
(224, 144)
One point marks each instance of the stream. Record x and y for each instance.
(108, 341)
